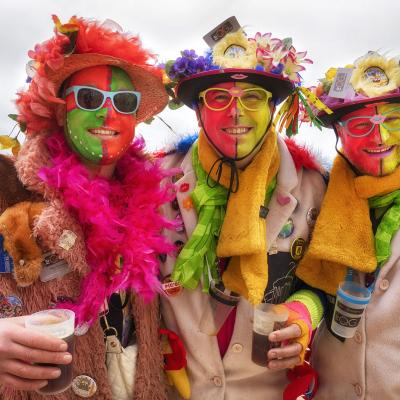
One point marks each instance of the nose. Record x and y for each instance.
(235, 110)
(378, 134)
(107, 112)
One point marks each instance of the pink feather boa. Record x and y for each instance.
(120, 217)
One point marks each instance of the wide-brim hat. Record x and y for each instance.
(188, 88)
(348, 106)
(154, 98)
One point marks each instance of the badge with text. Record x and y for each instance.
(341, 87)
(171, 288)
(215, 35)
(53, 267)
(6, 262)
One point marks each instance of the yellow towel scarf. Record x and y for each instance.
(243, 233)
(343, 235)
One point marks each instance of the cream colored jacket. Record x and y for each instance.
(367, 366)
(235, 377)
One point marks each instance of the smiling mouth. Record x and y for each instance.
(239, 130)
(103, 132)
(379, 151)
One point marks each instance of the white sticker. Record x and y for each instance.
(341, 87)
(215, 35)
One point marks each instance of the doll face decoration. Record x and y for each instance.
(235, 117)
(371, 138)
(100, 122)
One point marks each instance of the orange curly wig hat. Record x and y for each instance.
(80, 44)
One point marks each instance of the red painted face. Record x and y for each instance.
(372, 148)
(101, 136)
(236, 131)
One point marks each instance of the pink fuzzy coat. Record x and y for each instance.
(89, 349)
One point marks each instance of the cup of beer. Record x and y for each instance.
(267, 318)
(59, 323)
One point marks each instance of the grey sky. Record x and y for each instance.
(333, 32)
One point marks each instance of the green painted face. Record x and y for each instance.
(101, 136)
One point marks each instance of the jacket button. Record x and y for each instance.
(358, 337)
(217, 381)
(384, 284)
(358, 389)
(237, 348)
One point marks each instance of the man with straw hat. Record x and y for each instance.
(95, 204)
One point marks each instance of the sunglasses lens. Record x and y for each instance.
(89, 99)
(126, 102)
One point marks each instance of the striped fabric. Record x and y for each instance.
(389, 224)
(198, 256)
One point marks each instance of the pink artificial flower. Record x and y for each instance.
(291, 70)
(264, 41)
(279, 54)
(299, 57)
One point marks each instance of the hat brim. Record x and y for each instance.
(345, 108)
(154, 98)
(189, 88)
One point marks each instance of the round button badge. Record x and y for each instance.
(298, 248)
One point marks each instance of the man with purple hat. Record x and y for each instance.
(356, 239)
(247, 199)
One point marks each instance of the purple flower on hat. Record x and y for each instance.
(189, 63)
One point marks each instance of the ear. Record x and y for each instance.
(272, 106)
(197, 111)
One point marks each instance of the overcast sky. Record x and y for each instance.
(333, 32)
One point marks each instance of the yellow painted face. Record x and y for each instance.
(235, 131)
(371, 138)
(390, 133)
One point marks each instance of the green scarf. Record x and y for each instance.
(389, 224)
(198, 256)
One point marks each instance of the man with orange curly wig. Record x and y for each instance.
(95, 207)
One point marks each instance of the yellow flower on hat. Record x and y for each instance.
(235, 51)
(330, 74)
(375, 75)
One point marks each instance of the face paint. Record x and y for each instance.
(372, 148)
(235, 132)
(102, 136)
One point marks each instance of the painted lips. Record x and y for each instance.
(103, 132)
(239, 130)
(379, 151)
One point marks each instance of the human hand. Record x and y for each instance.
(289, 354)
(294, 338)
(21, 348)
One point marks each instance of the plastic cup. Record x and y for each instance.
(351, 301)
(60, 324)
(267, 318)
(222, 302)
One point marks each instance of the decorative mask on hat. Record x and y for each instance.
(100, 126)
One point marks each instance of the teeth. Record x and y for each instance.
(380, 150)
(107, 132)
(236, 131)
